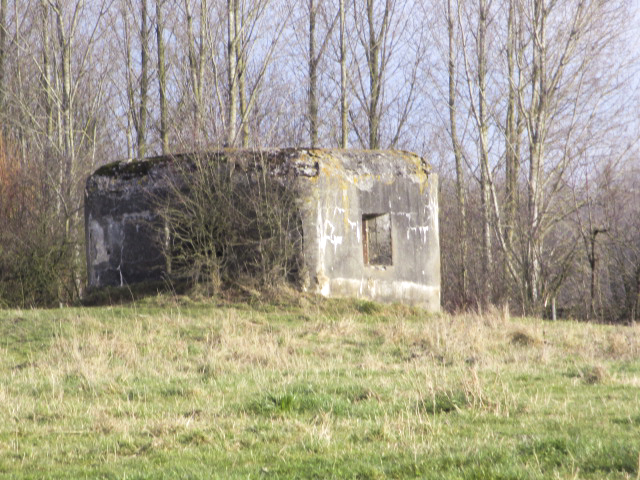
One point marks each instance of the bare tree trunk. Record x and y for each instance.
(315, 56)
(374, 49)
(460, 180)
(3, 52)
(162, 80)
(313, 77)
(485, 173)
(144, 82)
(242, 21)
(512, 140)
(204, 26)
(193, 64)
(344, 106)
(536, 120)
(592, 267)
(49, 99)
(46, 70)
(232, 59)
(132, 122)
(244, 101)
(70, 214)
(196, 65)
(64, 43)
(241, 58)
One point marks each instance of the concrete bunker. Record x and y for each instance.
(369, 220)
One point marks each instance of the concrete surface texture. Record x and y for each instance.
(369, 220)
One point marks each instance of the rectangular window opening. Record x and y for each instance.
(376, 239)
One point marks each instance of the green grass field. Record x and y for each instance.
(172, 388)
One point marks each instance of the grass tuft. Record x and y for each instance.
(523, 338)
(368, 308)
(445, 402)
(595, 375)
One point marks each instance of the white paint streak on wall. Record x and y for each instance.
(433, 214)
(324, 288)
(326, 233)
(356, 226)
(423, 231)
(322, 243)
(333, 239)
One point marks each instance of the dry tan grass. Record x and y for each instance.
(231, 341)
(596, 374)
(189, 375)
(417, 357)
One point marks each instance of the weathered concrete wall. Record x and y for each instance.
(353, 184)
(119, 219)
(338, 191)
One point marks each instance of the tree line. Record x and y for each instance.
(525, 108)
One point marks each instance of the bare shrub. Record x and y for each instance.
(34, 255)
(223, 223)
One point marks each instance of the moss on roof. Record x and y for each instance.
(349, 159)
(132, 168)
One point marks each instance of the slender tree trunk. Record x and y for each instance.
(512, 140)
(49, 100)
(313, 77)
(344, 106)
(144, 82)
(375, 80)
(193, 67)
(536, 153)
(244, 102)
(64, 42)
(484, 157)
(70, 214)
(3, 52)
(162, 80)
(460, 177)
(204, 26)
(232, 59)
(593, 259)
(132, 120)
(196, 65)
(46, 70)
(242, 78)
(315, 56)
(592, 268)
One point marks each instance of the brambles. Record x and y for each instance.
(221, 223)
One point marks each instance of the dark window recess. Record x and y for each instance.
(376, 239)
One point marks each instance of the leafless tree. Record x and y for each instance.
(3, 49)
(476, 77)
(315, 56)
(344, 102)
(162, 78)
(457, 153)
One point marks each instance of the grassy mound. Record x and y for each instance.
(168, 387)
